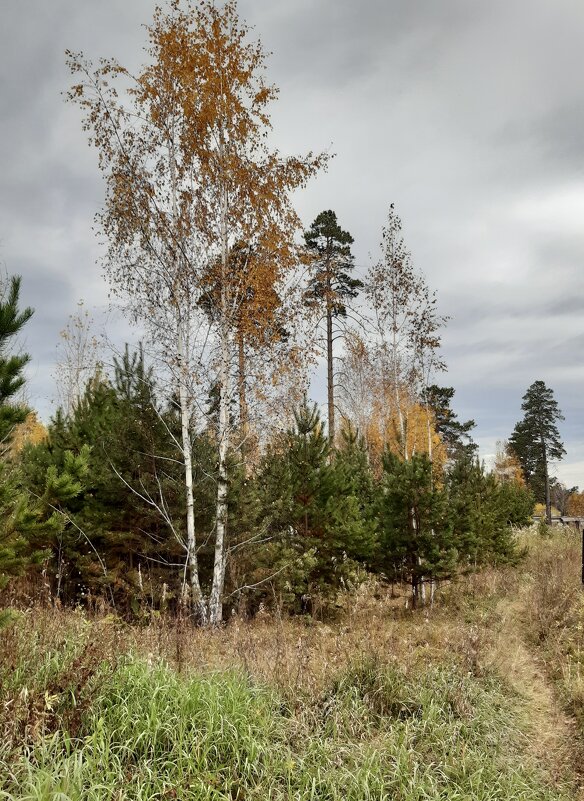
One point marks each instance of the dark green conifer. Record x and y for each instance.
(415, 536)
(455, 435)
(119, 545)
(11, 366)
(317, 509)
(16, 517)
(29, 522)
(482, 512)
(536, 440)
(331, 286)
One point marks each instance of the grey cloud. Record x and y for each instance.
(555, 136)
(343, 42)
(565, 305)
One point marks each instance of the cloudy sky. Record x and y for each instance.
(467, 114)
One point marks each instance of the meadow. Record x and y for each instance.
(480, 697)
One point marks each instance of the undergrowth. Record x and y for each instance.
(383, 705)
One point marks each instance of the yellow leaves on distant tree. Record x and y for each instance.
(30, 432)
(388, 417)
(384, 432)
(576, 504)
(507, 466)
(539, 510)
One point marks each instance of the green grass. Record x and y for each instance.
(377, 732)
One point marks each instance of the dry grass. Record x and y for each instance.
(303, 654)
(554, 610)
(382, 680)
(292, 654)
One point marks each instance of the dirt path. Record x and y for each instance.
(552, 734)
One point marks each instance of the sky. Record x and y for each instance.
(468, 115)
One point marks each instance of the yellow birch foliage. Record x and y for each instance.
(31, 431)
(507, 466)
(369, 400)
(383, 431)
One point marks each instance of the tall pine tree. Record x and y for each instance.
(330, 286)
(536, 440)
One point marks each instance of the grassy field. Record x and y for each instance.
(554, 613)
(475, 699)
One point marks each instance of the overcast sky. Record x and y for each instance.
(467, 114)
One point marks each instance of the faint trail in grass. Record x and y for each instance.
(552, 735)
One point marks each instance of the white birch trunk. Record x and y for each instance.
(216, 599)
(197, 600)
(402, 428)
(422, 586)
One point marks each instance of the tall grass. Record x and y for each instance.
(374, 732)
(381, 706)
(555, 613)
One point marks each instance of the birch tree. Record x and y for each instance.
(265, 328)
(406, 325)
(78, 360)
(189, 174)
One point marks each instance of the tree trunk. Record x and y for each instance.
(548, 502)
(197, 601)
(414, 592)
(243, 409)
(330, 373)
(216, 599)
(402, 427)
(414, 558)
(431, 458)
(422, 585)
(430, 447)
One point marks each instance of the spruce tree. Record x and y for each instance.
(331, 286)
(536, 440)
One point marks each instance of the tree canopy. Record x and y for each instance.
(536, 440)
